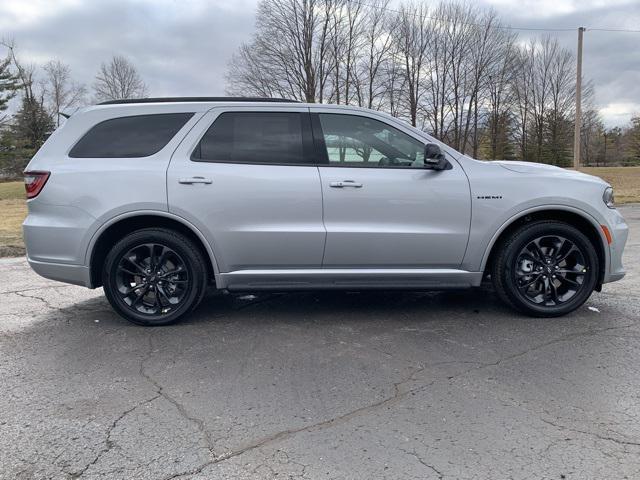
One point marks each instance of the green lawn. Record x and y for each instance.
(625, 180)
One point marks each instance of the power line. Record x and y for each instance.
(503, 27)
(612, 30)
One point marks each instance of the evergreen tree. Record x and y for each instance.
(32, 124)
(8, 85)
(633, 135)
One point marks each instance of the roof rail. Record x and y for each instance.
(197, 99)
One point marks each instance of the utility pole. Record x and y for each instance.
(576, 138)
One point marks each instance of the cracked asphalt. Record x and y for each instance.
(320, 386)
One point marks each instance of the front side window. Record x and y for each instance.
(357, 141)
(128, 137)
(254, 137)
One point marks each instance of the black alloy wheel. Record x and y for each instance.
(550, 270)
(154, 276)
(152, 279)
(545, 268)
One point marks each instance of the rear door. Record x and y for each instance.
(382, 207)
(245, 176)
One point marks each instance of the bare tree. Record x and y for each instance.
(376, 47)
(545, 93)
(590, 137)
(412, 35)
(62, 93)
(452, 69)
(352, 36)
(500, 101)
(288, 55)
(522, 87)
(119, 79)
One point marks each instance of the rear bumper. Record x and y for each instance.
(74, 274)
(55, 239)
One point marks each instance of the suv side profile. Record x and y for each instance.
(157, 199)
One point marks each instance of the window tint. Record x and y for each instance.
(253, 137)
(125, 137)
(357, 141)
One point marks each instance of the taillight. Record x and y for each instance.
(34, 182)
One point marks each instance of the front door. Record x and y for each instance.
(382, 208)
(246, 178)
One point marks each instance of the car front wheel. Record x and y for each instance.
(154, 276)
(546, 269)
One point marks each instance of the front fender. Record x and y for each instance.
(483, 247)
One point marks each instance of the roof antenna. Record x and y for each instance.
(65, 115)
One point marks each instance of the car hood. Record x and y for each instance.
(544, 169)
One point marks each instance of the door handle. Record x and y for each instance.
(192, 180)
(345, 183)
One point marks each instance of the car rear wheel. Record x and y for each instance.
(546, 269)
(154, 276)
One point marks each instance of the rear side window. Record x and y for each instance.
(126, 137)
(254, 137)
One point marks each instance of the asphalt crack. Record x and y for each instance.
(399, 392)
(397, 395)
(592, 434)
(563, 338)
(36, 288)
(109, 443)
(34, 297)
(199, 423)
(424, 463)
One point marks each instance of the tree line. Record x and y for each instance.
(453, 70)
(48, 92)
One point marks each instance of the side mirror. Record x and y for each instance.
(434, 159)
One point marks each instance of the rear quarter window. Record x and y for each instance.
(129, 137)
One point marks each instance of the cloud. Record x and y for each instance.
(179, 47)
(611, 60)
(182, 47)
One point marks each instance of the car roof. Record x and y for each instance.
(197, 99)
(141, 106)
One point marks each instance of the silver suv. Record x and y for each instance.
(156, 199)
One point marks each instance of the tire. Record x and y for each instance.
(530, 274)
(154, 296)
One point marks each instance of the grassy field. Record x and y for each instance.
(626, 181)
(13, 209)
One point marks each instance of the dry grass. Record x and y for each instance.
(625, 181)
(13, 209)
(12, 191)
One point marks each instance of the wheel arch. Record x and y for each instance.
(577, 218)
(127, 223)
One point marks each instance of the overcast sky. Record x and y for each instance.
(182, 47)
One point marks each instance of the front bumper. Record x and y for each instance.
(619, 233)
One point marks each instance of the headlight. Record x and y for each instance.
(607, 197)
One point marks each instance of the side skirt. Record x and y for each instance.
(345, 279)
